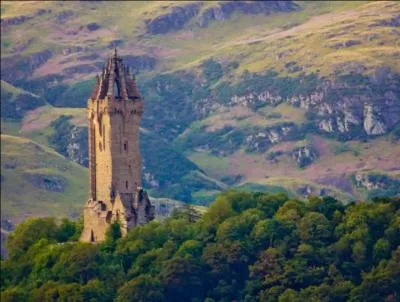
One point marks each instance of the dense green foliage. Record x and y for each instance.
(247, 247)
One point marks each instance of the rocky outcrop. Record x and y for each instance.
(265, 97)
(354, 107)
(304, 155)
(182, 15)
(373, 122)
(305, 190)
(375, 181)
(77, 147)
(174, 20)
(262, 139)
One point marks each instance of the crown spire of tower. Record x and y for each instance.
(115, 81)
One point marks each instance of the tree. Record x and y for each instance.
(141, 289)
(29, 232)
(182, 278)
(314, 228)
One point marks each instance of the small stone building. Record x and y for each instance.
(114, 112)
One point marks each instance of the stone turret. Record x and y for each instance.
(114, 112)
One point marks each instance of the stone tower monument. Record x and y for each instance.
(115, 193)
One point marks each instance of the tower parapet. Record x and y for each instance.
(114, 112)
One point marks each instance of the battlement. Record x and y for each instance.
(112, 106)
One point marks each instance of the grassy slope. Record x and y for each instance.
(257, 43)
(335, 164)
(22, 158)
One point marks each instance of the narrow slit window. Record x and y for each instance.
(104, 136)
(126, 184)
(126, 146)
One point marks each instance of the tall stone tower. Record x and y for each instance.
(114, 112)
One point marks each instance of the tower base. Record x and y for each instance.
(128, 210)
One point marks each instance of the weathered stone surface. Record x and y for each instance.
(181, 15)
(304, 156)
(263, 139)
(77, 149)
(176, 19)
(115, 186)
(373, 124)
(375, 181)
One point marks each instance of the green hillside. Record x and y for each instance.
(296, 96)
(36, 181)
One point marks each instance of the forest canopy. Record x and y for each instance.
(246, 247)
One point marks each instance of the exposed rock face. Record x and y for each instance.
(77, 148)
(304, 156)
(375, 181)
(265, 97)
(305, 190)
(261, 140)
(181, 15)
(373, 123)
(174, 20)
